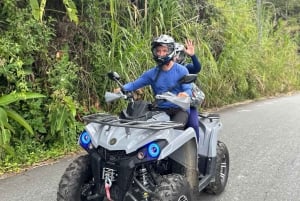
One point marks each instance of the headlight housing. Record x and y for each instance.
(85, 140)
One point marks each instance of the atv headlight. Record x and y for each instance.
(153, 149)
(85, 140)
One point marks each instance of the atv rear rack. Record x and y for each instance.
(112, 120)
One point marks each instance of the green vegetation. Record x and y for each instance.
(6, 130)
(63, 50)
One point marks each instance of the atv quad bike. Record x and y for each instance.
(141, 155)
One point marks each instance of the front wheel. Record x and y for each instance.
(222, 170)
(173, 187)
(76, 183)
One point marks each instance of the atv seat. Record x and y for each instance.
(138, 110)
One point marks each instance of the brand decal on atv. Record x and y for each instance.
(182, 198)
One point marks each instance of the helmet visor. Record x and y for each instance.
(162, 50)
(180, 57)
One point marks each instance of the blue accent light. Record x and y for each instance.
(85, 140)
(153, 149)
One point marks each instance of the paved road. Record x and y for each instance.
(263, 139)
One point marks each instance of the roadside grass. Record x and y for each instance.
(39, 157)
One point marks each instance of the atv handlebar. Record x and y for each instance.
(183, 102)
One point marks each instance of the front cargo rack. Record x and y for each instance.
(112, 120)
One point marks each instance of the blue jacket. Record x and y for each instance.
(195, 66)
(166, 81)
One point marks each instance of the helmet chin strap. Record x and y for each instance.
(161, 64)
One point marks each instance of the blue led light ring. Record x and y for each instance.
(85, 138)
(153, 149)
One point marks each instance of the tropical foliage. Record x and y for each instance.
(63, 49)
(6, 113)
(38, 10)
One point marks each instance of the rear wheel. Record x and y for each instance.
(173, 187)
(222, 170)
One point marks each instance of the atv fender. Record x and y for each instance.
(182, 149)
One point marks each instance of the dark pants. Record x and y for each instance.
(177, 115)
(193, 121)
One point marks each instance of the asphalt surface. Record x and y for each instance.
(263, 139)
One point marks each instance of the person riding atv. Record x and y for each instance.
(164, 77)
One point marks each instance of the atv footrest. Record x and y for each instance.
(209, 115)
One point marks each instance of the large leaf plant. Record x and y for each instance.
(38, 10)
(6, 113)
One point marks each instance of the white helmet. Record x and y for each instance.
(180, 54)
(163, 40)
